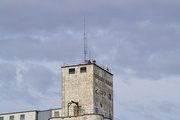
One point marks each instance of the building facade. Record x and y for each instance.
(87, 93)
(31, 115)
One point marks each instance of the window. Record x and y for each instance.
(72, 71)
(109, 96)
(22, 117)
(101, 104)
(82, 69)
(11, 117)
(96, 110)
(1, 118)
(110, 116)
(56, 114)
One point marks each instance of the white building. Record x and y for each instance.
(87, 93)
(31, 115)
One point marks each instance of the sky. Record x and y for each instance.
(139, 40)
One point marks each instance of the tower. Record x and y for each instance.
(87, 88)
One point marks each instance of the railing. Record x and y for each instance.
(84, 112)
(70, 63)
(81, 62)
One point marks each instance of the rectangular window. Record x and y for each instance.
(1, 118)
(56, 114)
(22, 117)
(72, 71)
(11, 117)
(110, 116)
(109, 96)
(96, 110)
(82, 69)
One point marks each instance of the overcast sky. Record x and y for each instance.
(138, 39)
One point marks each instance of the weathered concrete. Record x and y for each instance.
(93, 90)
(77, 87)
(103, 84)
(82, 117)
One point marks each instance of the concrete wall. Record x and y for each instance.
(103, 81)
(83, 117)
(79, 88)
(93, 90)
(31, 115)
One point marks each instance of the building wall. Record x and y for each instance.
(31, 115)
(103, 96)
(93, 90)
(83, 117)
(79, 88)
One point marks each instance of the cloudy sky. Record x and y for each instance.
(138, 39)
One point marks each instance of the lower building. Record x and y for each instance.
(52, 114)
(31, 115)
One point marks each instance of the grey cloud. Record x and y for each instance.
(8, 86)
(129, 32)
(142, 36)
(39, 77)
(29, 48)
(7, 72)
(50, 15)
(7, 79)
(37, 83)
(165, 110)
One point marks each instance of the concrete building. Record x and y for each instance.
(31, 115)
(87, 93)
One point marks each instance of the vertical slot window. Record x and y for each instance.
(72, 71)
(101, 104)
(109, 96)
(83, 69)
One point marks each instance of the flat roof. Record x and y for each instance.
(29, 111)
(86, 62)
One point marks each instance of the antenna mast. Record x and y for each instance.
(85, 40)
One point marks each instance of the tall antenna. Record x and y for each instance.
(85, 40)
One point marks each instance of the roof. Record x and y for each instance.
(86, 62)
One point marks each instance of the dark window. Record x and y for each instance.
(109, 96)
(56, 114)
(1, 118)
(22, 117)
(11, 117)
(101, 104)
(110, 116)
(96, 110)
(83, 69)
(72, 71)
